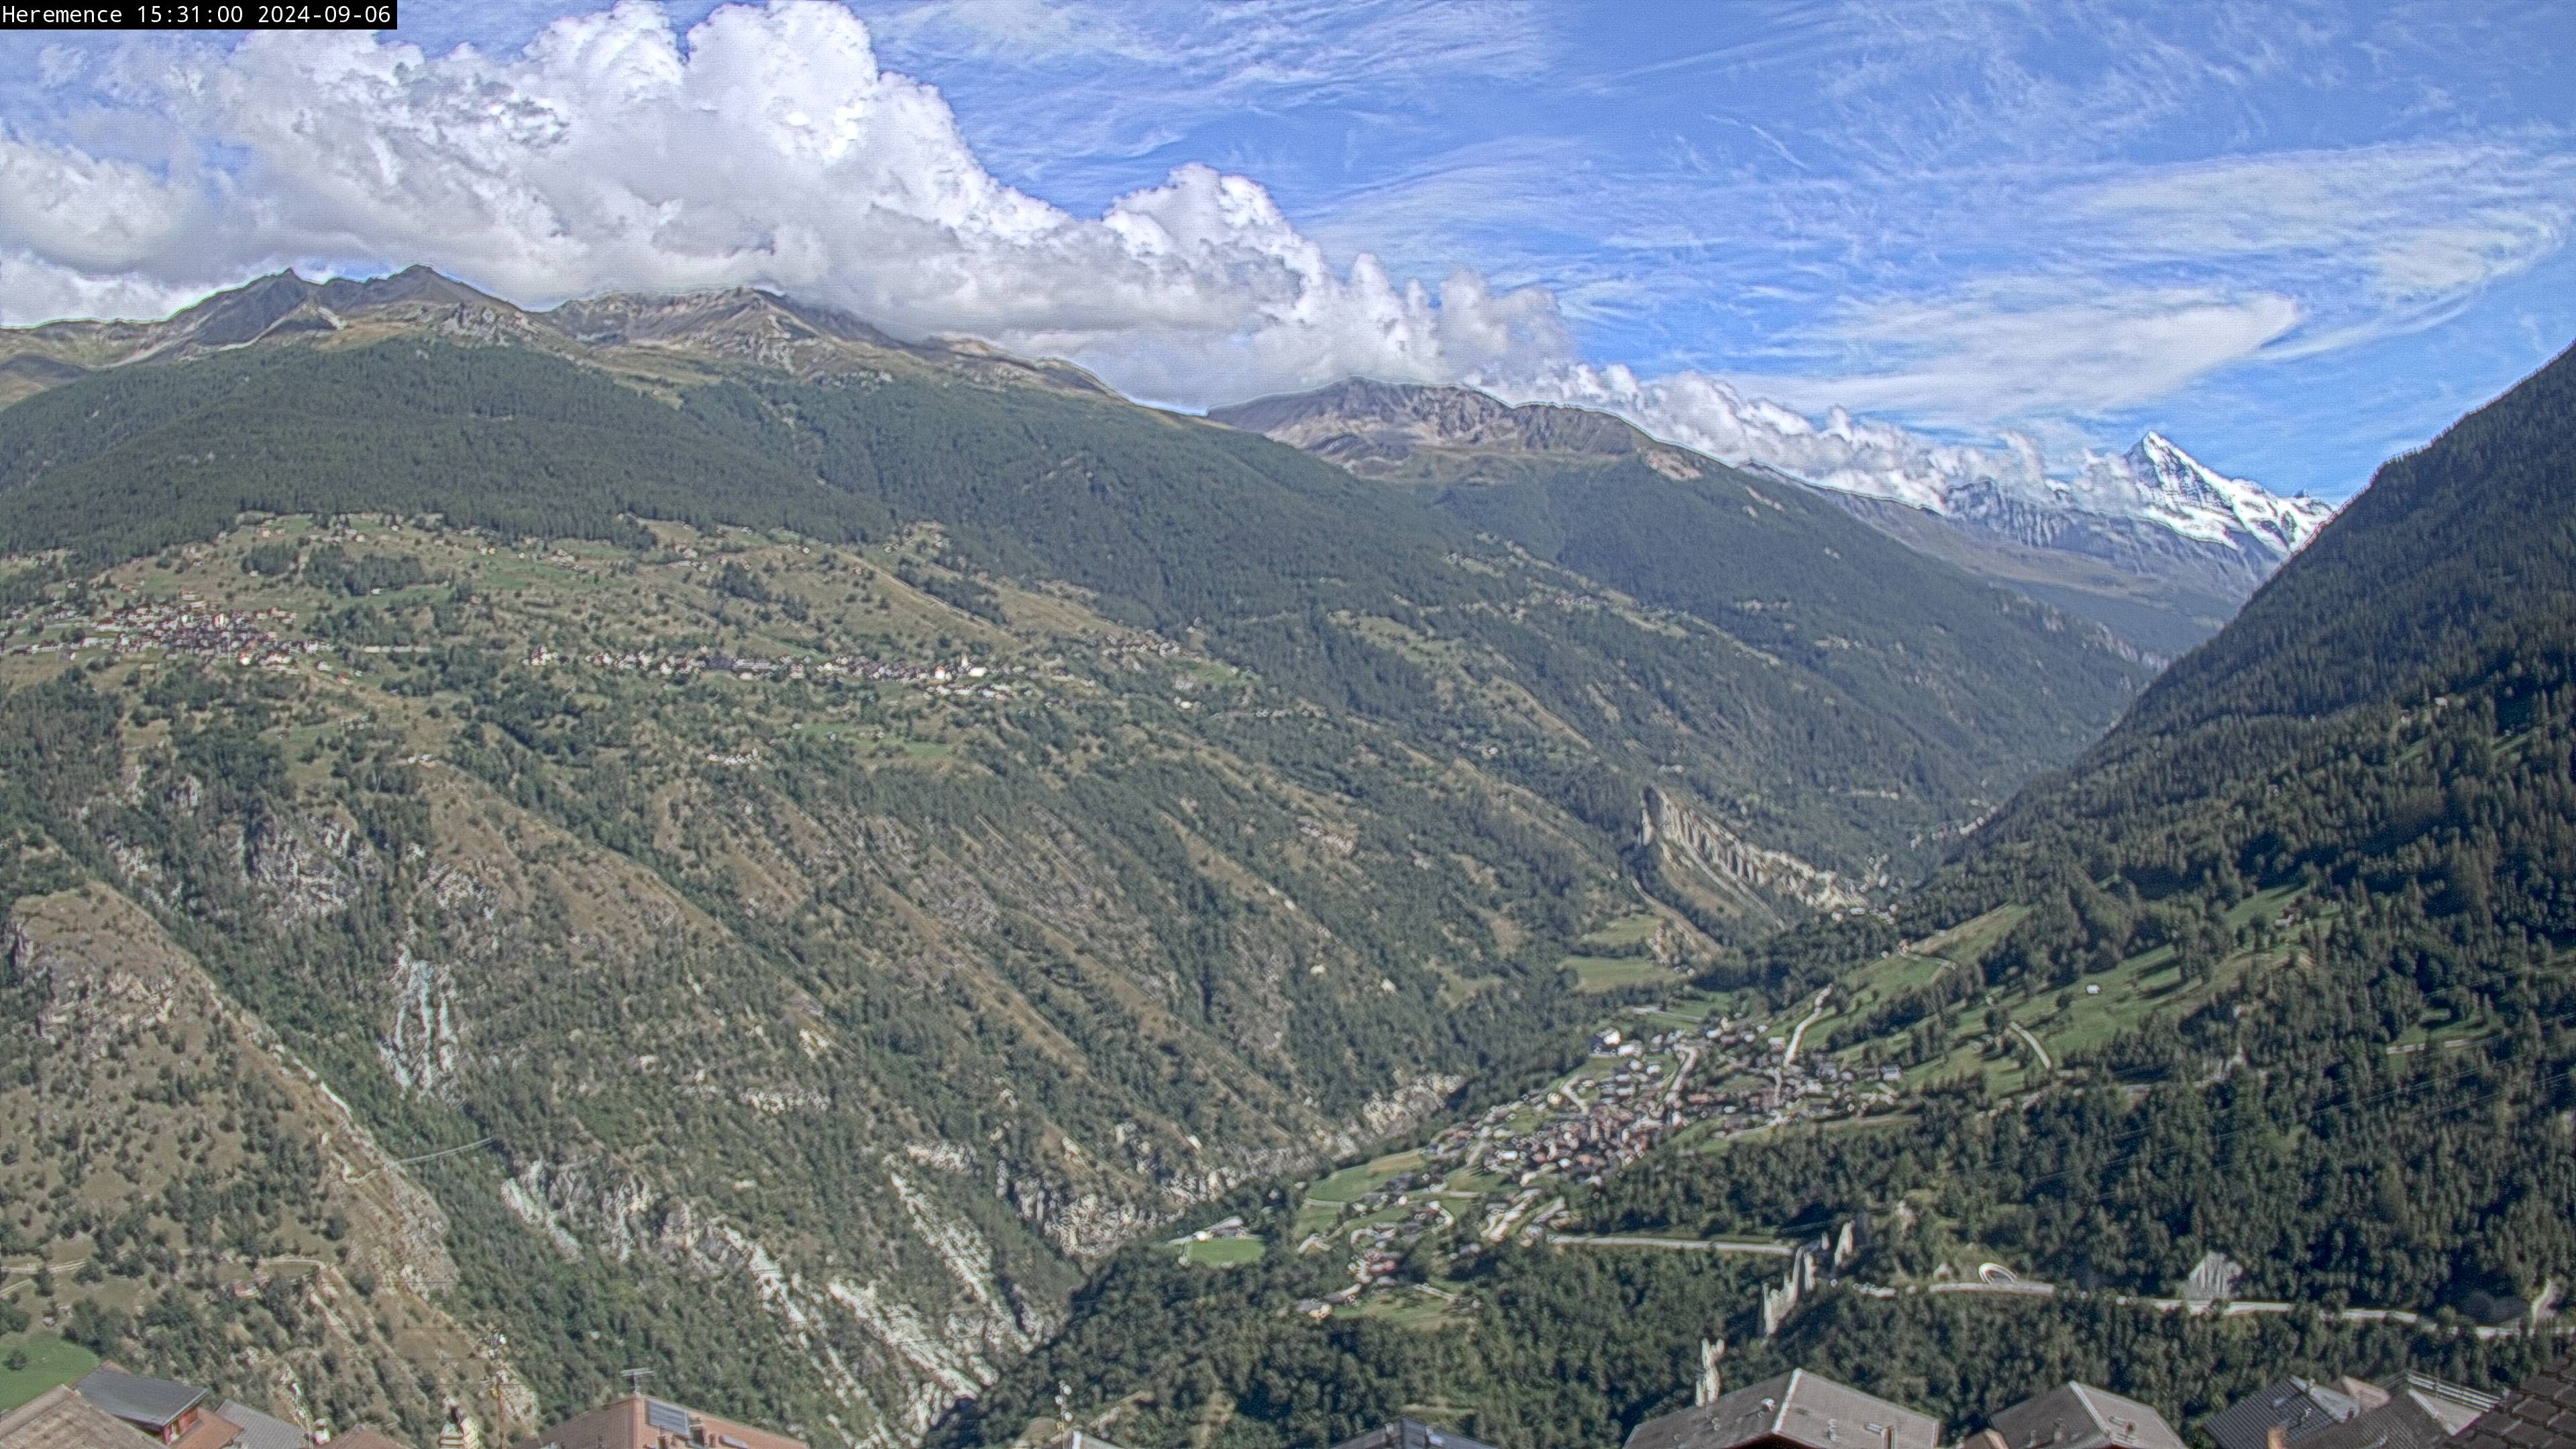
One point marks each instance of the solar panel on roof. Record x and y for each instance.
(670, 1418)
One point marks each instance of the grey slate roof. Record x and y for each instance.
(137, 1399)
(2401, 1423)
(61, 1419)
(1410, 1434)
(2456, 1405)
(258, 1430)
(1794, 1408)
(2301, 1408)
(2079, 1416)
(2540, 1412)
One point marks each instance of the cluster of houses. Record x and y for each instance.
(1809, 1411)
(1576, 1133)
(113, 1409)
(961, 677)
(1746, 1080)
(250, 637)
(181, 626)
(1377, 1248)
(253, 637)
(1802, 1410)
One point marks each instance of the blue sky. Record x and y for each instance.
(2294, 237)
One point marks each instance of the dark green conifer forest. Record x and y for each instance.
(2385, 743)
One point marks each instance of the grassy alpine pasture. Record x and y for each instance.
(34, 1361)
(1223, 1252)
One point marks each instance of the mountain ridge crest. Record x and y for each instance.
(735, 323)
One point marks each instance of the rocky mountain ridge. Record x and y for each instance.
(1365, 425)
(741, 323)
(2154, 544)
(2194, 499)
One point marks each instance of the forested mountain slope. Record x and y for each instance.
(1784, 571)
(2464, 538)
(1849, 718)
(1768, 561)
(2169, 562)
(148, 1110)
(2281, 970)
(788, 949)
(813, 842)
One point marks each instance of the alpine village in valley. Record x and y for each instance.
(1293, 724)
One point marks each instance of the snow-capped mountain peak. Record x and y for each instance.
(2165, 467)
(2186, 495)
(2155, 485)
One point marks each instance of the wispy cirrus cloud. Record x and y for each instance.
(2417, 227)
(1020, 30)
(1974, 359)
(1997, 296)
(1071, 84)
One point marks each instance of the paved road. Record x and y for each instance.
(1791, 1055)
(1685, 1245)
(2045, 1064)
(1681, 1074)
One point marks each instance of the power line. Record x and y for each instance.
(424, 1157)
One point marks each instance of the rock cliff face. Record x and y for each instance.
(1736, 865)
(197, 1129)
(869, 1066)
(1370, 427)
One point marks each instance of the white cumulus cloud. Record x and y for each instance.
(769, 145)
(1709, 415)
(764, 146)
(1882, 460)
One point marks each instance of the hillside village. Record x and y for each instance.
(186, 626)
(1685, 1075)
(109, 1408)
(151, 617)
(1679, 1070)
